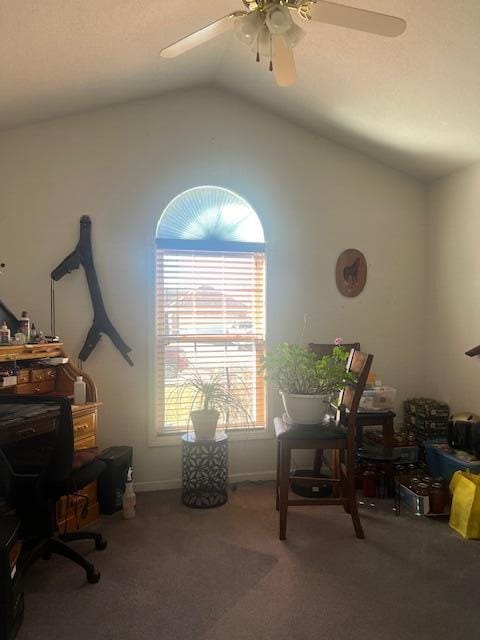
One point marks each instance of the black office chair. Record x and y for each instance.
(34, 481)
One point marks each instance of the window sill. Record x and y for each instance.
(174, 439)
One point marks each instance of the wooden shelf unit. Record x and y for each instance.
(35, 378)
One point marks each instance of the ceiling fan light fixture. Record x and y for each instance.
(247, 27)
(278, 19)
(294, 35)
(263, 44)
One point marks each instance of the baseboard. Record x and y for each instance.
(164, 485)
(252, 477)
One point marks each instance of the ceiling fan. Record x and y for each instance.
(269, 29)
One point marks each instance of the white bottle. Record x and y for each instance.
(129, 499)
(4, 333)
(24, 325)
(79, 391)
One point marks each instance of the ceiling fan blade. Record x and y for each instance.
(202, 35)
(284, 67)
(359, 19)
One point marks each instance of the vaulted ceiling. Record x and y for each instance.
(412, 102)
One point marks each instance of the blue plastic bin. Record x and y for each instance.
(445, 463)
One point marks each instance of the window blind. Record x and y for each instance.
(210, 319)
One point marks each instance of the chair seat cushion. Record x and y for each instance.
(83, 457)
(77, 480)
(323, 431)
(88, 473)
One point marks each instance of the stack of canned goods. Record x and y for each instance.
(426, 419)
(418, 480)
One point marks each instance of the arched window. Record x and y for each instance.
(210, 314)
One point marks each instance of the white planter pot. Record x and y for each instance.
(304, 409)
(204, 423)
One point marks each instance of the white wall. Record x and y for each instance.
(123, 165)
(454, 291)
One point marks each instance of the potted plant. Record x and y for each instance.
(211, 396)
(306, 383)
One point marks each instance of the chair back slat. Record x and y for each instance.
(321, 350)
(360, 364)
(357, 362)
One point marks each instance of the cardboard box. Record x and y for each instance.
(8, 381)
(426, 408)
(419, 505)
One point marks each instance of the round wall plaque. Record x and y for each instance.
(351, 272)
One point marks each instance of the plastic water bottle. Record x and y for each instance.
(129, 499)
(79, 391)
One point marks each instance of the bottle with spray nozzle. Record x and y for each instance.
(129, 499)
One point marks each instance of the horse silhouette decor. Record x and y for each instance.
(351, 272)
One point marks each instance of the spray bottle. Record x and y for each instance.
(129, 500)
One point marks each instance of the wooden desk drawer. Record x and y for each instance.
(45, 373)
(37, 375)
(46, 386)
(73, 522)
(23, 376)
(85, 443)
(84, 426)
(77, 505)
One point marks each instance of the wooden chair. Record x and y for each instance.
(384, 419)
(320, 349)
(338, 436)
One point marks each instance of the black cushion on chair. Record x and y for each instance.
(77, 480)
(327, 430)
(88, 473)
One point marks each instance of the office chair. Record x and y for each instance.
(34, 481)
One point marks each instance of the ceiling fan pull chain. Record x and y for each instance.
(258, 48)
(270, 66)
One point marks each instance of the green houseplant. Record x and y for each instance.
(306, 383)
(212, 396)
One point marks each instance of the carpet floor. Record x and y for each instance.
(184, 574)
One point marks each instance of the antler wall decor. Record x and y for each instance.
(473, 352)
(82, 255)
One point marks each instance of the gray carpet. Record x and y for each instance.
(178, 573)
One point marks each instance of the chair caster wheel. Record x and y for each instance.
(93, 576)
(100, 545)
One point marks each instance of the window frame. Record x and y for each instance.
(173, 438)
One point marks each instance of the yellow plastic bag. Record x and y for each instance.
(465, 513)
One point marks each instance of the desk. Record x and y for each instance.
(54, 376)
(18, 424)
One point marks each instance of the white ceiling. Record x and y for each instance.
(413, 102)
